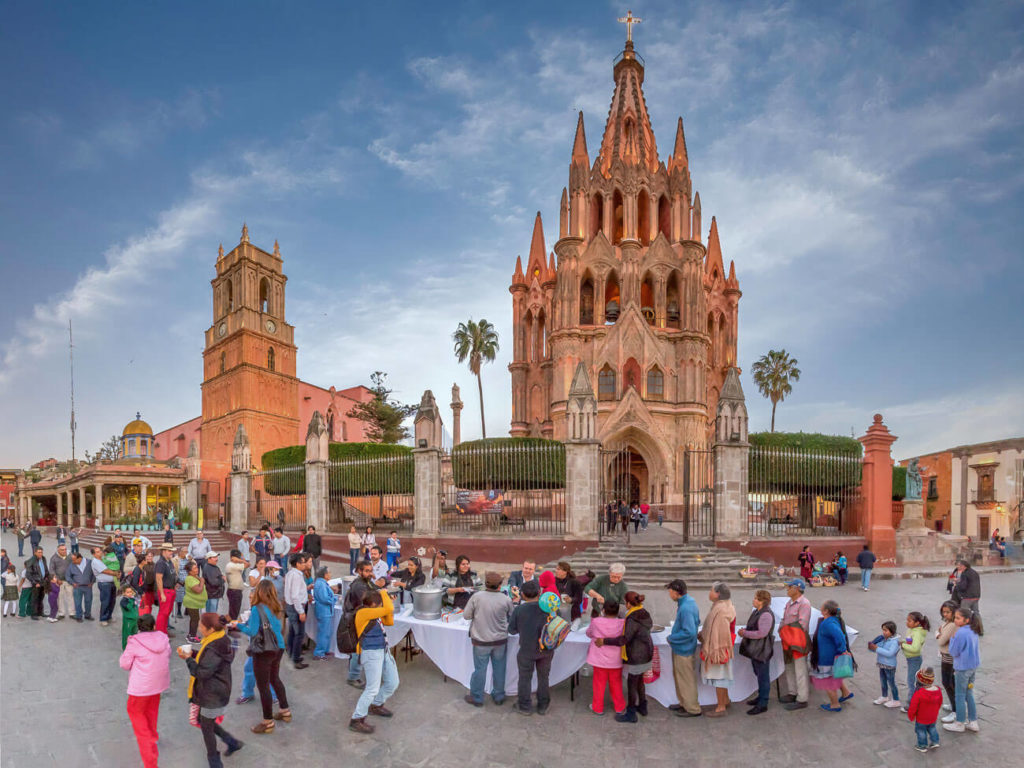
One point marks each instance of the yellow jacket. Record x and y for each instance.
(385, 612)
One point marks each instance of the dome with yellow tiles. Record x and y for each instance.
(137, 427)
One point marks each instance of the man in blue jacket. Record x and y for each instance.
(683, 641)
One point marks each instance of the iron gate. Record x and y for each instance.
(617, 487)
(278, 498)
(698, 494)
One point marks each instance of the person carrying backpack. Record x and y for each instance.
(637, 655)
(529, 621)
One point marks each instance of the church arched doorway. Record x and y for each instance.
(626, 475)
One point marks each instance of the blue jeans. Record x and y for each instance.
(21, 547)
(249, 681)
(355, 669)
(381, 680)
(74, 549)
(926, 733)
(324, 625)
(482, 654)
(913, 665)
(296, 634)
(887, 676)
(865, 577)
(966, 711)
(353, 558)
(393, 558)
(83, 601)
(764, 681)
(212, 604)
(107, 589)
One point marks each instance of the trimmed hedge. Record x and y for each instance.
(509, 464)
(899, 483)
(368, 479)
(796, 474)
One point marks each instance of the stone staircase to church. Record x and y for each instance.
(220, 541)
(652, 566)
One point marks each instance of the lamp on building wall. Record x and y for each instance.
(422, 442)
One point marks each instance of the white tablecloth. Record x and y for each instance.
(744, 682)
(394, 634)
(448, 646)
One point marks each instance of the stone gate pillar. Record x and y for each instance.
(877, 490)
(316, 472)
(241, 479)
(582, 460)
(732, 460)
(427, 492)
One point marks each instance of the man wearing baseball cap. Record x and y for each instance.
(795, 680)
(166, 576)
(214, 579)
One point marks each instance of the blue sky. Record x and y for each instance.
(864, 161)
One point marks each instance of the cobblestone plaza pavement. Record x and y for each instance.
(63, 704)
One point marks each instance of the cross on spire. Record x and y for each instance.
(629, 20)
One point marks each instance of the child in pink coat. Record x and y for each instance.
(606, 660)
(147, 657)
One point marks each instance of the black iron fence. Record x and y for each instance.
(698, 494)
(278, 497)
(618, 488)
(803, 493)
(513, 490)
(376, 492)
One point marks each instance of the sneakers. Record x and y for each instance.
(357, 683)
(947, 707)
(882, 700)
(52, 620)
(919, 748)
(360, 726)
(903, 710)
(894, 704)
(243, 699)
(949, 718)
(591, 708)
(104, 623)
(795, 705)
(954, 727)
(972, 726)
(934, 746)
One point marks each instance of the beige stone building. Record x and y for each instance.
(634, 293)
(988, 488)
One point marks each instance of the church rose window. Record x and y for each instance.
(606, 384)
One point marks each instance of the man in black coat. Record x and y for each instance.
(967, 591)
(214, 579)
(361, 584)
(35, 573)
(312, 544)
(528, 622)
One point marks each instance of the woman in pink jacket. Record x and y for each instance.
(607, 659)
(147, 658)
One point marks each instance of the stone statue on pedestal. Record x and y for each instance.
(913, 490)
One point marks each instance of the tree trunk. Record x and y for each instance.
(774, 403)
(480, 387)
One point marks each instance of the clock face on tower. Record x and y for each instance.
(271, 326)
(221, 330)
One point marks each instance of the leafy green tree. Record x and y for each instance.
(478, 343)
(382, 415)
(774, 375)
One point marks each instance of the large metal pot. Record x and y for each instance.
(426, 602)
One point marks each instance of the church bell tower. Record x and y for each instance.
(249, 359)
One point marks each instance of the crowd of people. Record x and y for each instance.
(285, 584)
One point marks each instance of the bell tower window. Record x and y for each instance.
(587, 300)
(606, 383)
(612, 301)
(665, 217)
(270, 359)
(264, 295)
(618, 217)
(223, 360)
(231, 295)
(643, 217)
(596, 214)
(647, 299)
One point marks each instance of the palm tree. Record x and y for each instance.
(479, 343)
(774, 374)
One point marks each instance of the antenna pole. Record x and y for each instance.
(71, 359)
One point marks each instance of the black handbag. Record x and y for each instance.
(264, 640)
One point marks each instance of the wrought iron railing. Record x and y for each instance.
(278, 498)
(375, 492)
(802, 493)
(512, 490)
